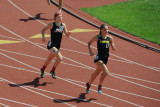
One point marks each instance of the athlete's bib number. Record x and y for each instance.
(96, 57)
(107, 45)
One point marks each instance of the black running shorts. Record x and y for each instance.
(104, 59)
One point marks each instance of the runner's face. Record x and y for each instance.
(104, 30)
(59, 18)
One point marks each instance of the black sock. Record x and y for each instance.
(88, 86)
(99, 87)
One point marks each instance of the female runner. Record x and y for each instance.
(56, 28)
(103, 43)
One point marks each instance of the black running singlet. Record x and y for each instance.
(56, 36)
(103, 45)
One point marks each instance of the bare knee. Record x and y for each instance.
(97, 71)
(60, 58)
(54, 50)
(103, 68)
(105, 72)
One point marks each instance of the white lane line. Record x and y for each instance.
(38, 45)
(85, 83)
(81, 67)
(79, 40)
(37, 92)
(66, 49)
(53, 92)
(62, 95)
(116, 90)
(89, 67)
(135, 78)
(86, 54)
(22, 69)
(109, 74)
(79, 52)
(154, 67)
(11, 38)
(71, 82)
(136, 83)
(119, 57)
(1, 80)
(68, 96)
(70, 50)
(42, 58)
(16, 101)
(74, 61)
(25, 12)
(104, 93)
(59, 94)
(18, 61)
(4, 105)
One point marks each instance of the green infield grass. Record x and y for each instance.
(137, 17)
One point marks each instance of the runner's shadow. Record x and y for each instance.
(80, 99)
(34, 83)
(38, 16)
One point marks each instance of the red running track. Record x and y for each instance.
(134, 71)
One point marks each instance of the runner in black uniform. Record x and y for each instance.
(103, 43)
(103, 49)
(57, 28)
(56, 36)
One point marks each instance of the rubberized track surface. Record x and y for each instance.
(134, 71)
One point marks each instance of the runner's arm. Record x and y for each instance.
(49, 26)
(60, 5)
(112, 43)
(89, 45)
(66, 32)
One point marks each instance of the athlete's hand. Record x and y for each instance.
(69, 33)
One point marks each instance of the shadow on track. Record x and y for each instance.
(80, 99)
(34, 83)
(38, 16)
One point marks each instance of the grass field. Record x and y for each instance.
(137, 17)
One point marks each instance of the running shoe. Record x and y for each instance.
(42, 73)
(100, 89)
(53, 74)
(87, 87)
